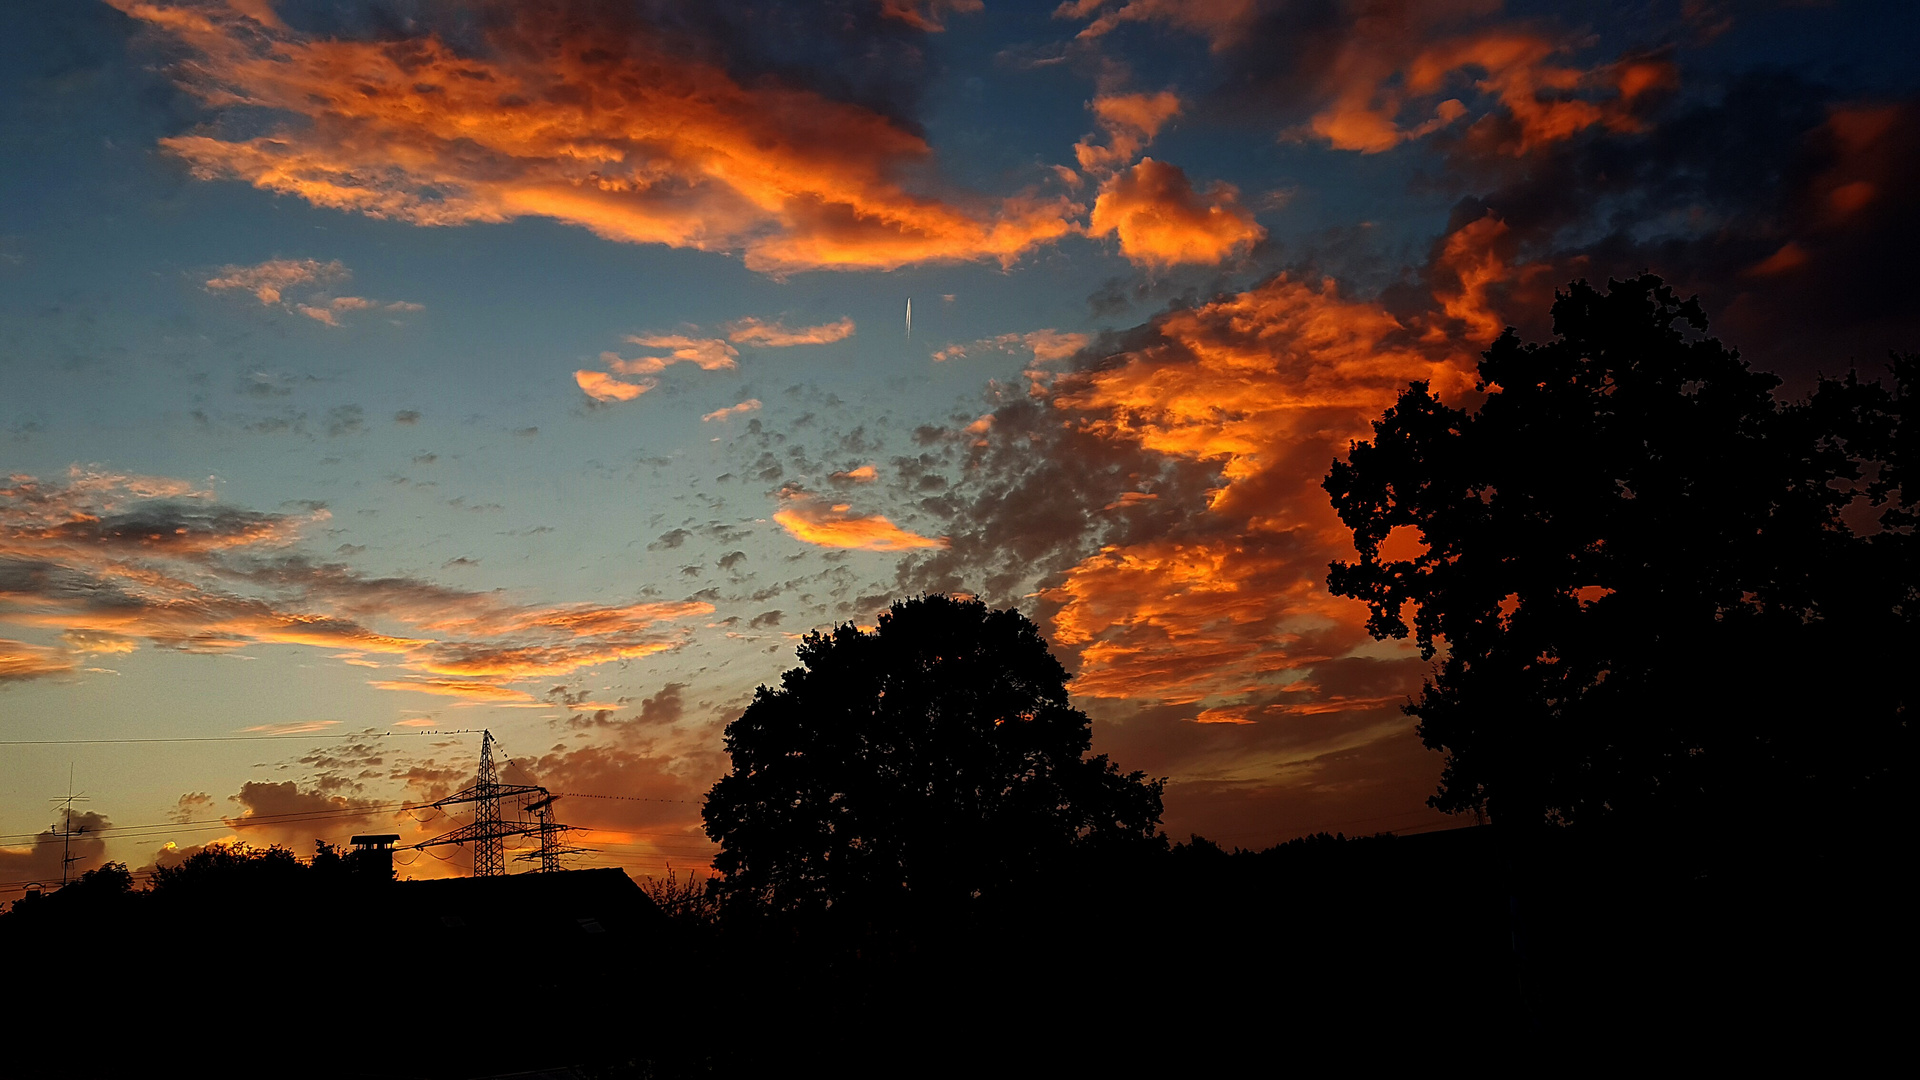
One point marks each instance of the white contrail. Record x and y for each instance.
(909, 316)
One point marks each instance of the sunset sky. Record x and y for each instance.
(380, 372)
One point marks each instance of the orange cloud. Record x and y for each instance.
(124, 559)
(1374, 84)
(1162, 222)
(577, 620)
(776, 335)
(267, 280)
(1050, 345)
(1130, 122)
(747, 406)
(708, 354)
(1045, 345)
(1387, 74)
(1472, 259)
(816, 521)
(601, 386)
(466, 689)
(1861, 137)
(1269, 385)
(508, 663)
(20, 661)
(595, 120)
(270, 280)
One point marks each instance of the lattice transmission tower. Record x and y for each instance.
(488, 828)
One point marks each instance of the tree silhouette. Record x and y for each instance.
(931, 760)
(1636, 563)
(222, 868)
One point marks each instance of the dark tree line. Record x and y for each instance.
(1656, 595)
(1656, 592)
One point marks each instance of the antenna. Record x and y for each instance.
(67, 857)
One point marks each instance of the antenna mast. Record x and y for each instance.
(67, 857)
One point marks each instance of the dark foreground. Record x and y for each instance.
(1461, 950)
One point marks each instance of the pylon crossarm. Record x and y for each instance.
(468, 834)
(498, 791)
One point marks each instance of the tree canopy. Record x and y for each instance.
(1638, 567)
(932, 759)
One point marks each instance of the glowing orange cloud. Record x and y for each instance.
(834, 525)
(708, 354)
(1162, 222)
(1130, 122)
(731, 411)
(1399, 72)
(775, 335)
(20, 661)
(601, 386)
(1472, 258)
(519, 663)
(1374, 85)
(613, 131)
(1269, 384)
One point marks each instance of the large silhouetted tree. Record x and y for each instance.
(1632, 561)
(930, 760)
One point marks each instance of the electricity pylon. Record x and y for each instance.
(488, 828)
(551, 847)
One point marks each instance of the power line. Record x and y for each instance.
(248, 822)
(228, 738)
(625, 798)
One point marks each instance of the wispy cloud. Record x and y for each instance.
(20, 661)
(777, 335)
(708, 354)
(297, 727)
(110, 561)
(270, 281)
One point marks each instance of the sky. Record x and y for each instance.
(380, 373)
